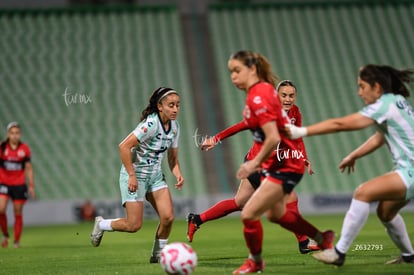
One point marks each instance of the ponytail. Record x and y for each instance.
(390, 79)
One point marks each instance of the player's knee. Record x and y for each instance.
(360, 193)
(133, 227)
(385, 216)
(167, 221)
(245, 216)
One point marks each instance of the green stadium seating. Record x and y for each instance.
(320, 47)
(111, 60)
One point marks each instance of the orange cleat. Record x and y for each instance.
(250, 266)
(192, 227)
(328, 238)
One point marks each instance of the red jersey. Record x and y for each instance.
(295, 118)
(12, 163)
(263, 105)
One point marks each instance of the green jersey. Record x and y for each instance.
(154, 141)
(395, 119)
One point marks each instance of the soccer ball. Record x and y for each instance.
(178, 259)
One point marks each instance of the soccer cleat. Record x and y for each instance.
(5, 242)
(402, 260)
(97, 234)
(307, 246)
(328, 238)
(154, 259)
(192, 227)
(330, 256)
(250, 266)
(16, 245)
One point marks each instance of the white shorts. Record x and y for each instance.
(407, 175)
(145, 185)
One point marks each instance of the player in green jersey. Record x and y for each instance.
(141, 176)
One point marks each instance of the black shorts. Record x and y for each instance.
(287, 179)
(254, 178)
(15, 192)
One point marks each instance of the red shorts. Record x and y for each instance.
(15, 192)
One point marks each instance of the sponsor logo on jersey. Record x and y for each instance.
(21, 153)
(257, 100)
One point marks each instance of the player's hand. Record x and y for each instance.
(347, 162)
(246, 169)
(180, 182)
(294, 132)
(132, 184)
(308, 164)
(32, 193)
(209, 144)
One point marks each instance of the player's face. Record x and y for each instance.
(287, 95)
(169, 107)
(368, 93)
(240, 74)
(14, 134)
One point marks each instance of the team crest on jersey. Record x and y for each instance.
(144, 129)
(21, 153)
(246, 112)
(257, 100)
(293, 120)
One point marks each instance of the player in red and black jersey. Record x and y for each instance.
(263, 114)
(287, 95)
(15, 165)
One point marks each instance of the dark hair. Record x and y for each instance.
(390, 79)
(157, 96)
(285, 83)
(263, 67)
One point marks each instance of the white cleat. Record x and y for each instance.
(97, 234)
(402, 260)
(329, 256)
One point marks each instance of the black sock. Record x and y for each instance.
(197, 220)
(341, 255)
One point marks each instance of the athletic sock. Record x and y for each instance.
(293, 207)
(297, 224)
(397, 231)
(220, 209)
(105, 225)
(354, 220)
(253, 235)
(158, 245)
(18, 227)
(3, 225)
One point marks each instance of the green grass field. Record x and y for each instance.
(219, 244)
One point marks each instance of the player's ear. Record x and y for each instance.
(377, 87)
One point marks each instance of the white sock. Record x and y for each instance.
(105, 225)
(397, 231)
(257, 258)
(354, 220)
(159, 244)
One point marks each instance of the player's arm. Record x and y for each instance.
(175, 167)
(30, 175)
(228, 132)
(351, 122)
(272, 139)
(308, 163)
(125, 154)
(370, 145)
